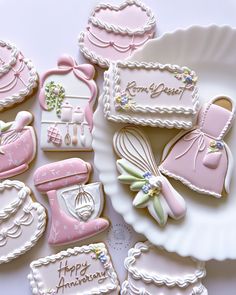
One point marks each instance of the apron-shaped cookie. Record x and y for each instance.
(200, 158)
(75, 206)
(67, 95)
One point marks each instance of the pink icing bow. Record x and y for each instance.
(84, 72)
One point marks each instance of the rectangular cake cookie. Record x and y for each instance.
(81, 270)
(151, 94)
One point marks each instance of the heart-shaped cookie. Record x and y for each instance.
(130, 17)
(115, 32)
(18, 76)
(22, 221)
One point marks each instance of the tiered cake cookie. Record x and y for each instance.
(151, 94)
(67, 95)
(200, 157)
(75, 206)
(115, 32)
(22, 221)
(153, 271)
(18, 77)
(17, 145)
(83, 270)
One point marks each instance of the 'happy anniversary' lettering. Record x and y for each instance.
(76, 275)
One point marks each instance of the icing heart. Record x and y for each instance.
(22, 221)
(18, 76)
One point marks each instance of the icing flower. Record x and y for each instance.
(188, 77)
(124, 102)
(102, 257)
(146, 188)
(215, 146)
(99, 254)
(147, 175)
(55, 94)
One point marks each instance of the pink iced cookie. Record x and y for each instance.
(82, 270)
(115, 32)
(17, 145)
(18, 76)
(199, 157)
(75, 207)
(153, 271)
(67, 95)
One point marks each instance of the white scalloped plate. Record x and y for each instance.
(209, 228)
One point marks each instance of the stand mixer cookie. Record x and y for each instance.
(75, 206)
(151, 94)
(18, 77)
(67, 95)
(22, 221)
(153, 271)
(82, 270)
(139, 170)
(17, 145)
(200, 157)
(115, 32)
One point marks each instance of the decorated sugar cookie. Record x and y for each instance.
(75, 206)
(200, 157)
(151, 94)
(81, 270)
(22, 221)
(18, 77)
(153, 271)
(115, 32)
(138, 169)
(67, 95)
(17, 145)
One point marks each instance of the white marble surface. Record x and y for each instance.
(44, 30)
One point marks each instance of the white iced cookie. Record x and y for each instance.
(151, 94)
(81, 270)
(67, 95)
(138, 169)
(153, 271)
(22, 221)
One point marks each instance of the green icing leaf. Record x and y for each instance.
(128, 179)
(140, 199)
(158, 209)
(5, 126)
(137, 185)
(129, 170)
(55, 94)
